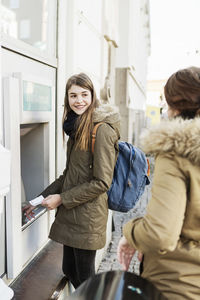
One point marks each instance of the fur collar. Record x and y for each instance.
(106, 113)
(181, 137)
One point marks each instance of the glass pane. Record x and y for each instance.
(36, 97)
(32, 21)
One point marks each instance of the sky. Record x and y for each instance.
(175, 36)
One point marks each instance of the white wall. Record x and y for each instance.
(84, 39)
(134, 40)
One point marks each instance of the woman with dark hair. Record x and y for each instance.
(168, 235)
(80, 194)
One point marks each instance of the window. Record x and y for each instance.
(33, 22)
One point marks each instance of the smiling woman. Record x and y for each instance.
(80, 194)
(80, 96)
(79, 99)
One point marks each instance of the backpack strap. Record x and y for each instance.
(148, 171)
(94, 132)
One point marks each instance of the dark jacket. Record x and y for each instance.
(169, 234)
(81, 219)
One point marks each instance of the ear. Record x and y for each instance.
(176, 112)
(171, 112)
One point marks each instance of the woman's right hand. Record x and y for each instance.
(125, 253)
(28, 211)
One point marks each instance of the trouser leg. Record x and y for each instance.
(69, 265)
(78, 264)
(85, 263)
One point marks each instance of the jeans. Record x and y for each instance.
(78, 264)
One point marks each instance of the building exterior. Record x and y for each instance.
(131, 67)
(43, 42)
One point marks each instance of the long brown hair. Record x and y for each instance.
(84, 122)
(182, 92)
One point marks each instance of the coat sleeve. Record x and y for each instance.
(55, 187)
(104, 159)
(159, 230)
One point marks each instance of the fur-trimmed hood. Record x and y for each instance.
(108, 114)
(181, 137)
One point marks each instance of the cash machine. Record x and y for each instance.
(29, 134)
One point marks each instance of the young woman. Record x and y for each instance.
(80, 193)
(168, 235)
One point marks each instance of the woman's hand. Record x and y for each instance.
(52, 201)
(125, 253)
(28, 211)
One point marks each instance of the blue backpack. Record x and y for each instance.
(130, 176)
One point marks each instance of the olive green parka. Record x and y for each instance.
(169, 233)
(81, 219)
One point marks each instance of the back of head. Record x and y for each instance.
(182, 92)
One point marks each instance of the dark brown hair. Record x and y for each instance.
(84, 122)
(182, 92)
